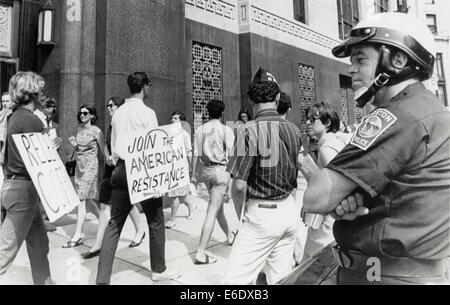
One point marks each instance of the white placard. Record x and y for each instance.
(156, 162)
(48, 174)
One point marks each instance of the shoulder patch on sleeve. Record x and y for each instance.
(372, 127)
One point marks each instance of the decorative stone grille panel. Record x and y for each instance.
(359, 113)
(344, 105)
(307, 89)
(292, 28)
(206, 79)
(217, 7)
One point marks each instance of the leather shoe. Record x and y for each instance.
(89, 255)
(134, 244)
(167, 275)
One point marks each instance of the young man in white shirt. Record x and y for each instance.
(132, 116)
(44, 107)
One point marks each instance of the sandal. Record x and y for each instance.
(208, 260)
(73, 244)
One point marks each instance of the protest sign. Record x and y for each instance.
(48, 174)
(156, 162)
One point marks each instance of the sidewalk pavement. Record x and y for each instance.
(132, 265)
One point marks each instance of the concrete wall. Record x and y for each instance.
(145, 36)
(316, 12)
(283, 60)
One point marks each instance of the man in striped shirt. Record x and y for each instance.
(264, 169)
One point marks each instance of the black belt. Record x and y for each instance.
(18, 177)
(390, 266)
(267, 206)
(208, 164)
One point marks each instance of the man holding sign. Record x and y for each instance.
(19, 196)
(133, 117)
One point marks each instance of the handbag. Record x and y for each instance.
(71, 165)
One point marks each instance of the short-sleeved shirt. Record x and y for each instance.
(400, 156)
(266, 156)
(132, 116)
(330, 141)
(21, 121)
(213, 142)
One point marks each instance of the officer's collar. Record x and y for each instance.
(412, 89)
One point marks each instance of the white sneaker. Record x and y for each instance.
(169, 274)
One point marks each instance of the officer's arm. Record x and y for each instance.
(326, 190)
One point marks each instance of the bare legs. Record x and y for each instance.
(105, 216)
(215, 210)
(136, 219)
(91, 207)
(176, 201)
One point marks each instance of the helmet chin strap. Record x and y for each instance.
(365, 95)
(387, 75)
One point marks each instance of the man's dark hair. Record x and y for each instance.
(181, 114)
(91, 110)
(284, 104)
(137, 81)
(118, 101)
(327, 114)
(50, 102)
(261, 92)
(215, 109)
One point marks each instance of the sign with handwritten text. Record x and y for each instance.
(48, 174)
(156, 162)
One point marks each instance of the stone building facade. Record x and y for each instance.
(195, 50)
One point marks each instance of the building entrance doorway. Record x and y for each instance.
(8, 67)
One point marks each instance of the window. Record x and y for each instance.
(348, 16)
(431, 22)
(440, 67)
(442, 95)
(300, 11)
(402, 6)
(442, 92)
(381, 6)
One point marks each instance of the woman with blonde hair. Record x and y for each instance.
(19, 197)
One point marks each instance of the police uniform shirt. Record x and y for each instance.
(400, 156)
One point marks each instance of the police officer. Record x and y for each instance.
(396, 228)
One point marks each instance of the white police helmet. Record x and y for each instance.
(397, 30)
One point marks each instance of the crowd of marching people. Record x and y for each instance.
(209, 155)
(290, 191)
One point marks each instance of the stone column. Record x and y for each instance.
(77, 64)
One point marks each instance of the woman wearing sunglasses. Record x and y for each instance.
(105, 194)
(323, 124)
(87, 143)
